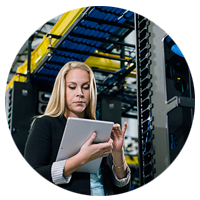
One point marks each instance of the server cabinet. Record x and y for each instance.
(22, 110)
(165, 100)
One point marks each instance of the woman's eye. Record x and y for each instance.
(71, 88)
(86, 87)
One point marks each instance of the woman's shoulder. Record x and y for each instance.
(44, 120)
(42, 124)
(49, 120)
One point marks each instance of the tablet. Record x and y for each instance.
(77, 132)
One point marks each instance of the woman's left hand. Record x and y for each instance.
(117, 135)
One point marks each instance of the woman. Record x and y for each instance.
(74, 95)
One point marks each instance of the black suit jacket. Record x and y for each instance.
(41, 150)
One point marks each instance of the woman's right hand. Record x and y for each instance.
(90, 151)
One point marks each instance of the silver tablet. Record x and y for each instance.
(77, 132)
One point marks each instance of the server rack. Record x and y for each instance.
(165, 100)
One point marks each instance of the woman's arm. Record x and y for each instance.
(117, 135)
(38, 147)
(119, 162)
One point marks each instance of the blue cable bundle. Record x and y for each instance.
(183, 40)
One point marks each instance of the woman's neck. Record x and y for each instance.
(72, 114)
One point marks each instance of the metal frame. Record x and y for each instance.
(144, 105)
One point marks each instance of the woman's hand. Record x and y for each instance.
(90, 151)
(117, 135)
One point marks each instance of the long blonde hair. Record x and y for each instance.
(57, 101)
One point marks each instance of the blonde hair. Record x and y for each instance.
(57, 101)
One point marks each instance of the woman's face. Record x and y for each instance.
(77, 93)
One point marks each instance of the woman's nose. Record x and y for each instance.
(79, 92)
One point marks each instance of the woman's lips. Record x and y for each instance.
(79, 102)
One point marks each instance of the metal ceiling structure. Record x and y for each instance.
(94, 35)
(101, 28)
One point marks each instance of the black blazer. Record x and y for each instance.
(41, 151)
